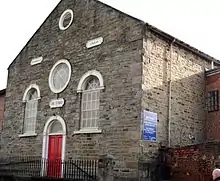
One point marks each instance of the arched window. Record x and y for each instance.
(56, 127)
(31, 97)
(89, 86)
(90, 103)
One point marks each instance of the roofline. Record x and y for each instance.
(3, 91)
(150, 27)
(182, 44)
(34, 33)
(212, 72)
(137, 19)
(54, 10)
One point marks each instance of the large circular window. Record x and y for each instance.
(66, 19)
(59, 76)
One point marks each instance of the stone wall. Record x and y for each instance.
(136, 74)
(118, 59)
(187, 73)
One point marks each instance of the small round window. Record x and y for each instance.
(59, 76)
(66, 19)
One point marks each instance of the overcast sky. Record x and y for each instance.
(193, 21)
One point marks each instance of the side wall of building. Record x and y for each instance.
(187, 102)
(118, 59)
(212, 118)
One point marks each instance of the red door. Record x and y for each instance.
(54, 156)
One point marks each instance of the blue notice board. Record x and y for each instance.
(149, 126)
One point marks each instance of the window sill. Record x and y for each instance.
(27, 135)
(87, 131)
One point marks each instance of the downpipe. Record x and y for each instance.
(170, 94)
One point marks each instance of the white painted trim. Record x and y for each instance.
(52, 88)
(32, 86)
(27, 135)
(87, 131)
(46, 139)
(50, 120)
(84, 78)
(62, 17)
(52, 134)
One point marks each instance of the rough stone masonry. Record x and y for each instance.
(138, 70)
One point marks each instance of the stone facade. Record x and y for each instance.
(164, 63)
(136, 68)
(118, 59)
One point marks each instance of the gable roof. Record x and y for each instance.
(34, 33)
(149, 27)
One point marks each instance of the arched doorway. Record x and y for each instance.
(54, 140)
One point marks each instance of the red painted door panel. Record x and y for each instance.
(54, 156)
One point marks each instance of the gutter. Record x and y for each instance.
(182, 44)
(212, 72)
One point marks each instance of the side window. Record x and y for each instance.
(30, 99)
(90, 103)
(213, 101)
(90, 86)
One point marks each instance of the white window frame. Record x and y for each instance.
(32, 86)
(84, 78)
(50, 81)
(62, 17)
(80, 88)
(24, 100)
(84, 108)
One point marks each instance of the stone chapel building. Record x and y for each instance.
(84, 79)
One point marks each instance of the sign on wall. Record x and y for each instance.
(56, 103)
(94, 42)
(36, 60)
(149, 126)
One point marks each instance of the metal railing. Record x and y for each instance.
(38, 167)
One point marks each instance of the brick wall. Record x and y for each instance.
(213, 118)
(195, 162)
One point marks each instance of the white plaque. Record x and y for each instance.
(94, 42)
(36, 60)
(54, 103)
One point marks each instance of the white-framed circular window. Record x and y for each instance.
(66, 19)
(59, 76)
